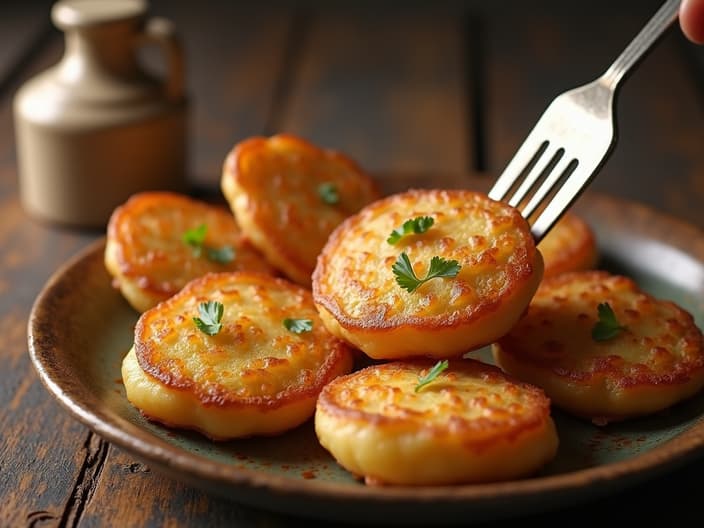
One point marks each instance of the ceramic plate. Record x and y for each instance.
(80, 328)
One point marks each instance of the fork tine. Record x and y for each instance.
(527, 152)
(540, 167)
(582, 121)
(564, 198)
(548, 184)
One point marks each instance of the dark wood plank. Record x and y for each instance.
(234, 53)
(23, 27)
(42, 450)
(46, 53)
(131, 492)
(534, 54)
(387, 86)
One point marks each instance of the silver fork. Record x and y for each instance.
(573, 138)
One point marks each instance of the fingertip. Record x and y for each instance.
(692, 20)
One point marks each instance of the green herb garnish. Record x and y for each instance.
(298, 326)
(607, 327)
(415, 226)
(222, 255)
(407, 279)
(432, 374)
(328, 193)
(210, 317)
(196, 239)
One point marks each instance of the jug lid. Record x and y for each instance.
(68, 14)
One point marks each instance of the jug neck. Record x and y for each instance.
(105, 50)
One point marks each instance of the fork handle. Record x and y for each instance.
(641, 44)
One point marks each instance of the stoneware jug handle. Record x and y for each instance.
(162, 32)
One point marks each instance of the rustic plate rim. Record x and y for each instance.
(181, 462)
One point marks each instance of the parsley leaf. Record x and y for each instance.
(607, 327)
(417, 225)
(298, 326)
(407, 279)
(210, 317)
(196, 239)
(328, 193)
(222, 256)
(432, 374)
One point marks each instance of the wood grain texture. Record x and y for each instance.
(386, 86)
(234, 54)
(42, 450)
(131, 492)
(535, 54)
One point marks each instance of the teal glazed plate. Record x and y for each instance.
(80, 329)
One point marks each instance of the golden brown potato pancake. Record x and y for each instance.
(359, 299)
(569, 246)
(253, 377)
(288, 195)
(148, 258)
(470, 424)
(650, 356)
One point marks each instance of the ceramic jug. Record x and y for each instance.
(96, 127)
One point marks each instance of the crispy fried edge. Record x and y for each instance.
(338, 352)
(580, 257)
(266, 239)
(575, 393)
(157, 401)
(133, 280)
(437, 336)
(449, 448)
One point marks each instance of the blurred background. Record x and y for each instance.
(416, 87)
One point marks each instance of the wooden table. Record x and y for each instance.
(428, 90)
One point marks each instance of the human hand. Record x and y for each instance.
(692, 20)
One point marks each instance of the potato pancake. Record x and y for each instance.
(569, 246)
(472, 423)
(259, 374)
(288, 195)
(481, 295)
(636, 356)
(151, 257)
